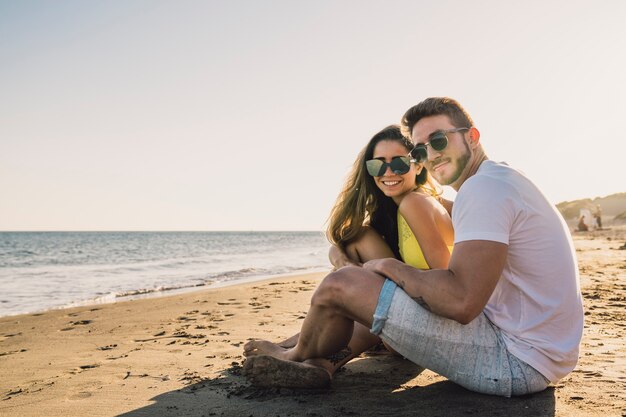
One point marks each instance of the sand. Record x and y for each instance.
(181, 355)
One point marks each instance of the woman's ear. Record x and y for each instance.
(418, 168)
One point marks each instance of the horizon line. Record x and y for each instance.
(154, 231)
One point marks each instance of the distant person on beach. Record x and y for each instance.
(505, 317)
(598, 217)
(388, 208)
(582, 226)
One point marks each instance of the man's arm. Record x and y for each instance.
(460, 292)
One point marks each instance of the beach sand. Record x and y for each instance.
(181, 355)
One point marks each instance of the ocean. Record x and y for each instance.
(46, 270)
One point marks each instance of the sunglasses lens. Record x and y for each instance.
(419, 153)
(400, 165)
(439, 142)
(375, 166)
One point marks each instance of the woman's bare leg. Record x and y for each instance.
(370, 245)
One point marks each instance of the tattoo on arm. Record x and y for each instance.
(420, 301)
(401, 284)
(338, 357)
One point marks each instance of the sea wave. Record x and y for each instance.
(228, 277)
(40, 271)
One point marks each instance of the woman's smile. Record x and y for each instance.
(390, 183)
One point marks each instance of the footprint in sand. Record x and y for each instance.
(203, 327)
(72, 324)
(12, 352)
(12, 393)
(6, 336)
(108, 347)
(79, 396)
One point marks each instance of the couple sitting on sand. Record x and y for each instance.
(494, 306)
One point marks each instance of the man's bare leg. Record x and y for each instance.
(343, 297)
(361, 340)
(370, 245)
(268, 371)
(289, 342)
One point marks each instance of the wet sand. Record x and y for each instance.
(181, 355)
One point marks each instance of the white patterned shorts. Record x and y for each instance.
(472, 355)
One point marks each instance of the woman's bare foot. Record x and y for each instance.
(268, 371)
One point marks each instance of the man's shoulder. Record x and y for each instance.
(491, 177)
(486, 204)
(493, 169)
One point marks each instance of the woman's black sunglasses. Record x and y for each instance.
(399, 165)
(438, 141)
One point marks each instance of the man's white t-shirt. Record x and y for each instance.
(537, 301)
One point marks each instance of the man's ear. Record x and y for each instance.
(474, 136)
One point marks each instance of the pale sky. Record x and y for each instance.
(247, 115)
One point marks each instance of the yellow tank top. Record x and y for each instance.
(410, 250)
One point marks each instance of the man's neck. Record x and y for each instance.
(478, 157)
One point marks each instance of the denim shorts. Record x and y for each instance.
(472, 355)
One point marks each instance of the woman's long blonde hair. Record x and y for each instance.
(361, 203)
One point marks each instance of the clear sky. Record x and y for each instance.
(247, 115)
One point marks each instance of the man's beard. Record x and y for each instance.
(460, 163)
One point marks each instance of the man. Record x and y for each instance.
(598, 217)
(505, 318)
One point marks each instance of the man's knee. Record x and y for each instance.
(334, 287)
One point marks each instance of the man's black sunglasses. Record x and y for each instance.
(438, 141)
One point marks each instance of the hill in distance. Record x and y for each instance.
(613, 207)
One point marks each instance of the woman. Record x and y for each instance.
(389, 208)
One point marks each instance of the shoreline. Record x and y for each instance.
(158, 293)
(181, 355)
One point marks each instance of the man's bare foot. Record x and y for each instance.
(264, 347)
(289, 342)
(268, 371)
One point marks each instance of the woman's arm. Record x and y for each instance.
(339, 258)
(370, 245)
(447, 204)
(431, 226)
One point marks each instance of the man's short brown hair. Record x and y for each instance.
(434, 106)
